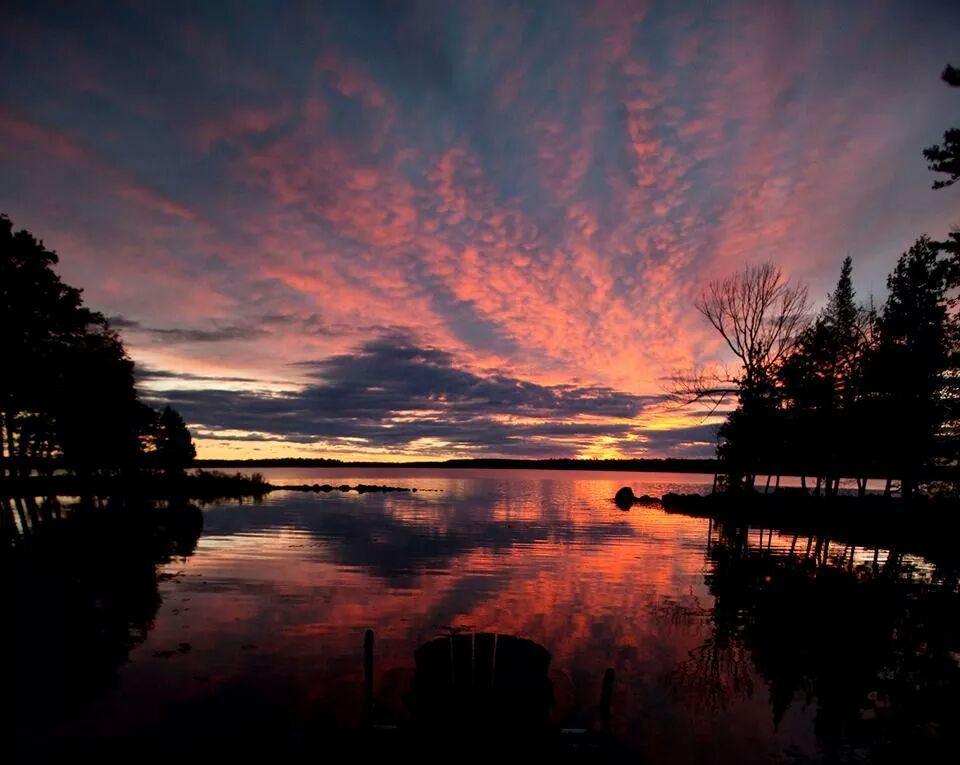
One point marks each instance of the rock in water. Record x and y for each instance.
(624, 498)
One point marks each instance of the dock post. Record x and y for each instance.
(606, 699)
(368, 677)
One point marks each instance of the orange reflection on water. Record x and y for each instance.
(268, 612)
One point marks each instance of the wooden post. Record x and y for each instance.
(25, 529)
(606, 700)
(32, 512)
(368, 677)
(7, 522)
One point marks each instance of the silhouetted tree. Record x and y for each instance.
(173, 446)
(759, 314)
(820, 386)
(853, 391)
(39, 318)
(102, 423)
(945, 158)
(908, 373)
(67, 389)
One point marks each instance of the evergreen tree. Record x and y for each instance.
(908, 374)
(68, 389)
(173, 446)
(820, 384)
(945, 158)
(101, 422)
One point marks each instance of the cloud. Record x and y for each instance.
(219, 334)
(392, 394)
(145, 373)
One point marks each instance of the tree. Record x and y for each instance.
(945, 158)
(759, 314)
(68, 389)
(820, 384)
(173, 446)
(40, 317)
(908, 375)
(102, 424)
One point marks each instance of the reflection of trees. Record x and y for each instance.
(81, 592)
(874, 645)
(718, 670)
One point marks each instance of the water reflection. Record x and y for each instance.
(872, 640)
(81, 591)
(741, 644)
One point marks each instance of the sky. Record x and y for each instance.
(398, 231)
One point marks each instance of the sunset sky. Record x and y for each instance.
(415, 230)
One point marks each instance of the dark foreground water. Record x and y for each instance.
(238, 629)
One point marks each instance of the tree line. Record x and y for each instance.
(857, 390)
(67, 393)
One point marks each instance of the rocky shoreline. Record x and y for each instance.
(360, 488)
(201, 485)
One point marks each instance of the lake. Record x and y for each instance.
(239, 628)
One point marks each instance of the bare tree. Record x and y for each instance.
(759, 315)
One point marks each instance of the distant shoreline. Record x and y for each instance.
(666, 465)
(708, 466)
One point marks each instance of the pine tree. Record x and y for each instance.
(819, 385)
(909, 373)
(945, 158)
(173, 445)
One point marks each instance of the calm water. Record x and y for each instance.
(727, 645)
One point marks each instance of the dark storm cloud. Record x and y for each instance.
(391, 373)
(392, 392)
